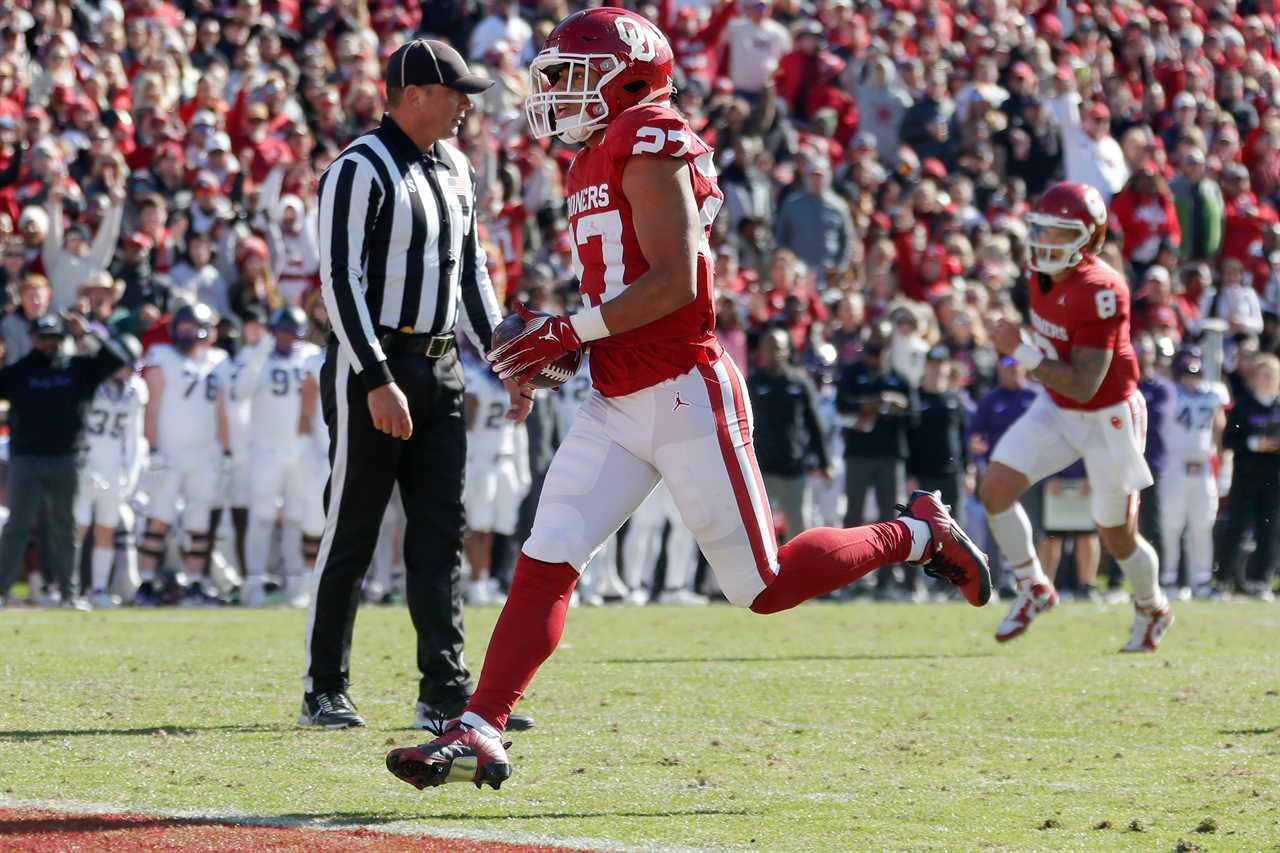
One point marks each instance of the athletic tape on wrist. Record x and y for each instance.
(1028, 356)
(589, 325)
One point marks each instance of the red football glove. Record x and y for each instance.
(542, 341)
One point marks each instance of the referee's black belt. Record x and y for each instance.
(405, 343)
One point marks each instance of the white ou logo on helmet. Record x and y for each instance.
(642, 40)
(1095, 205)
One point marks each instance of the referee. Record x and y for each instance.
(400, 264)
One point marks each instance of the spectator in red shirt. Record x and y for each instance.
(805, 74)
(1156, 309)
(790, 298)
(697, 48)
(1144, 214)
(1245, 215)
(267, 150)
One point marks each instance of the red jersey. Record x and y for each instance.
(508, 233)
(1089, 308)
(607, 256)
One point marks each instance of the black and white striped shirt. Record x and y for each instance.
(398, 247)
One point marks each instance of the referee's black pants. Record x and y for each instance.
(365, 464)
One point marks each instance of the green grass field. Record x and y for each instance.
(828, 728)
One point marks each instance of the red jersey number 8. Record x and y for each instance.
(1106, 301)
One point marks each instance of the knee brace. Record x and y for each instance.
(199, 546)
(152, 545)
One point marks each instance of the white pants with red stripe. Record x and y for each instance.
(694, 432)
(1048, 438)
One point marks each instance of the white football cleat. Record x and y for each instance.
(1033, 599)
(297, 592)
(1149, 626)
(682, 598)
(103, 600)
(253, 593)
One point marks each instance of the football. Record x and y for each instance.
(554, 374)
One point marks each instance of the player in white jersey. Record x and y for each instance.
(186, 428)
(313, 467)
(272, 380)
(235, 491)
(1192, 433)
(114, 453)
(497, 475)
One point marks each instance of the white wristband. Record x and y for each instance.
(1028, 356)
(589, 324)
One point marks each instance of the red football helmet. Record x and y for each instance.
(627, 55)
(1067, 225)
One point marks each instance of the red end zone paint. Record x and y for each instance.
(23, 829)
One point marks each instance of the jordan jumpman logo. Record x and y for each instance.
(679, 402)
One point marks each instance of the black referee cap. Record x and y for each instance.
(422, 62)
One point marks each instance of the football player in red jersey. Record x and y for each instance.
(666, 405)
(1078, 347)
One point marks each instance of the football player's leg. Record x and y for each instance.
(127, 579)
(1031, 450)
(642, 543)
(480, 498)
(1202, 510)
(1174, 509)
(266, 486)
(292, 517)
(200, 490)
(162, 513)
(106, 516)
(593, 484)
(101, 560)
(705, 455)
(1138, 560)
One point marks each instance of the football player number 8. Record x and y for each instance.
(1106, 300)
(607, 225)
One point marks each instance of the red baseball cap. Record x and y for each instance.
(933, 168)
(1099, 111)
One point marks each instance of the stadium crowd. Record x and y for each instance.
(158, 175)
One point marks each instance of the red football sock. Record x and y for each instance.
(824, 559)
(527, 632)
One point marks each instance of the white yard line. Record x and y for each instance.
(404, 827)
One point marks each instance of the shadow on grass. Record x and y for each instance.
(177, 731)
(1271, 730)
(795, 658)
(664, 813)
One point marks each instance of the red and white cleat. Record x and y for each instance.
(1149, 627)
(1033, 599)
(951, 555)
(460, 754)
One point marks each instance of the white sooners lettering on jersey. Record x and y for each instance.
(188, 408)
